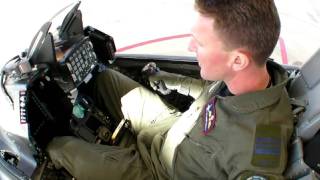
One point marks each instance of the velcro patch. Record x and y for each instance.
(267, 146)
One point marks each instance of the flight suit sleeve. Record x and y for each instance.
(267, 156)
(183, 84)
(191, 86)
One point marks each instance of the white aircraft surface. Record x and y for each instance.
(144, 27)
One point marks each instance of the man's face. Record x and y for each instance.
(206, 43)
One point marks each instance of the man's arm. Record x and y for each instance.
(187, 85)
(164, 81)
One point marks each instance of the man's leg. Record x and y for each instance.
(123, 97)
(108, 89)
(115, 91)
(93, 161)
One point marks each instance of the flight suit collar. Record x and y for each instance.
(253, 101)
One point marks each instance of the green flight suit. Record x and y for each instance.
(248, 139)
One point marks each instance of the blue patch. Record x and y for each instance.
(267, 146)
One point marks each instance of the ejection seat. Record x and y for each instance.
(304, 90)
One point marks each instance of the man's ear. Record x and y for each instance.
(240, 60)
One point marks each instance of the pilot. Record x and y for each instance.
(238, 127)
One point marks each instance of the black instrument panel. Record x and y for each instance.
(77, 64)
(80, 60)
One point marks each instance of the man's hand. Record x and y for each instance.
(164, 82)
(159, 80)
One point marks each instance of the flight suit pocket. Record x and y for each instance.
(209, 147)
(199, 159)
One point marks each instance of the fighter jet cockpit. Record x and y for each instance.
(50, 85)
(61, 60)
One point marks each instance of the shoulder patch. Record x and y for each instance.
(250, 175)
(210, 116)
(267, 146)
(257, 177)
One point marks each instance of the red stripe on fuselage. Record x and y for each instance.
(283, 50)
(152, 41)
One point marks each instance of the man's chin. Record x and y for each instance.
(205, 76)
(202, 74)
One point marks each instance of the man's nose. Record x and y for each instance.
(192, 45)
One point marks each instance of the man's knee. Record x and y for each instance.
(60, 147)
(112, 79)
(105, 76)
